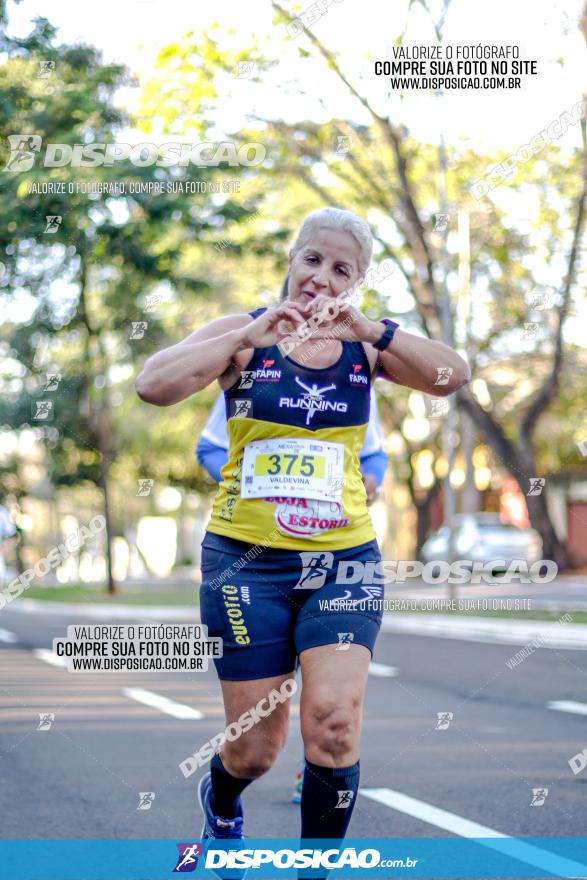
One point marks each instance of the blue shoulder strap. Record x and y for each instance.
(256, 312)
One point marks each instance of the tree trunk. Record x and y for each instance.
(105, 449)
(552, 547)
(469, 493)
(104, 443)
(99, 419)
(423, 507)
(18, 548)
(520, 463)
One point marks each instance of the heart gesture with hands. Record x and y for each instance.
(274, 325)
(335, 318)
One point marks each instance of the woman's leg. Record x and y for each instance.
(251, 754)
(333, 685)
(254, 617)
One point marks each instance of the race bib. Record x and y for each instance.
(293, 468)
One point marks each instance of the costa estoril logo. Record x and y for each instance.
(302, 517)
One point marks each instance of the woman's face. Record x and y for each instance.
(327, 264)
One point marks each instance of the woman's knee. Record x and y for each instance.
(246, 765)
(331, 729)
(251, 756)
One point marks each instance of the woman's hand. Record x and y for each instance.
(328, 318)
(370, 485)
(408, 360)
(273, 326)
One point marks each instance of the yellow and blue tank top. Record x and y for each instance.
(276, 397)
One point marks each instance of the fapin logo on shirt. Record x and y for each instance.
(262, 374)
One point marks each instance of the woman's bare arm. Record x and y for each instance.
(415, 361)
(181, 370)
(420, 363)
(194, 363)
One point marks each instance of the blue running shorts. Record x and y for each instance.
(268, 605)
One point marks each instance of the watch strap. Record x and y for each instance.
(388, 334)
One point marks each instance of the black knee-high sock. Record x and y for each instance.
(328, 799)
(225, 789)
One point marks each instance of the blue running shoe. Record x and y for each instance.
(217, 828)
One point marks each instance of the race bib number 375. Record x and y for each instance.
(294, 468)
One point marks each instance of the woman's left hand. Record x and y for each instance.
(335, 319)
(370, 484)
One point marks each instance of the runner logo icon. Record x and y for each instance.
(344, 641)
(444, 719)
(188, 857)
(344, 799)
(315, 567)
(23, 149)
(241, 409)
(539, 795)
(146, 799)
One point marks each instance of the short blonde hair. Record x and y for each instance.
(345, 221)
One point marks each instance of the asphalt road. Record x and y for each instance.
(81, 778)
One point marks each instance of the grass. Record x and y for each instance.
(124, 596)
(540, 614)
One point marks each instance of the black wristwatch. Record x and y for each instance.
(388, 334)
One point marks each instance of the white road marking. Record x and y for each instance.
(380, 670)
(49, 657)
(156, 701)
(6, 636)
(525, 852)
(568, 706)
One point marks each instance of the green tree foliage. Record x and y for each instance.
(373, 165)
(115, 281)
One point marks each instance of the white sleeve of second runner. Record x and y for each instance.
(373, 435)
(7, 527)
(215, 428)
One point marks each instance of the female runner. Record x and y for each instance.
(292, 506)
